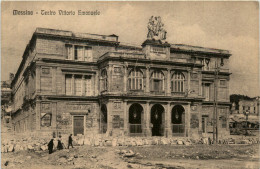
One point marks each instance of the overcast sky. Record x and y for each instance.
(232, 26)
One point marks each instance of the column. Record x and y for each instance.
(83, 88)
(73, 85)
(200, 83)
(125, 78)
(147, 120)
(168, 127)
(109, 118)
(126, 119)
(188, 84)
(168, 90)
(187, 121)
(147, 80)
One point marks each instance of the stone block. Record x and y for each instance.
(180, 142)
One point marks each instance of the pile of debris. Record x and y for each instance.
(36, 144)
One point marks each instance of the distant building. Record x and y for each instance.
(6, 103)
(84, 83)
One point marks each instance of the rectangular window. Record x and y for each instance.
(254, 110)
(69, 52)
(204, 124)
(78, 84)
(206, 92)
(88, 86)
(68, 86)
(78, 53)
(222, 83)
(88, 54)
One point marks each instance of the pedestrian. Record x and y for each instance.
(50, 146)
(70, 141)
(59, 147)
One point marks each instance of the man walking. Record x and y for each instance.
(70, 141)
(50, 146)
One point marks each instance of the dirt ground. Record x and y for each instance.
(147, 157)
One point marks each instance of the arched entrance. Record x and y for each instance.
(157, 120)
(178, 120)
(103, 118)
(135, 118)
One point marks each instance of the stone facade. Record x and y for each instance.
(91, 84)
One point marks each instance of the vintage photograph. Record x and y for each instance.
(118, 85)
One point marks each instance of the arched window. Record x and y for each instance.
(135, 80)
(157, 81)
(177, 82)
(103, 80)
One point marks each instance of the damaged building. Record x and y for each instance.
(86, 84)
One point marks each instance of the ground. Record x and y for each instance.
(156, 156)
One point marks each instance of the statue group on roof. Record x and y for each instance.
(155, 29)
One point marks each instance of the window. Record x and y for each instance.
(88, 86)
(69, 50)
(206, 91)
(157, 81)
(135, 80)
(177, 82)
(204, 124)
(88, 54)
(78, 84)
(222, 83)
(78, 52)
(68, 84)
(254, 110)
(103, 80)
(81, 53)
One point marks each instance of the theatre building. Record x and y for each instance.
(87, 84)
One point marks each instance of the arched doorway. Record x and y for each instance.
(157, 120)
(135, 118)
(178, 119)
(103, 118)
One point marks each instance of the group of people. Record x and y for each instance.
(60, 145)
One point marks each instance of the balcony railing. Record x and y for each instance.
(178, 128)
(135, 128)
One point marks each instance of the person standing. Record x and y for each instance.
(59, 147)
(70, 141)
(50, 146)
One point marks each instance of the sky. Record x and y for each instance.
(232, 26)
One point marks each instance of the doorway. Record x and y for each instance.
(157, 120)
(78, 125)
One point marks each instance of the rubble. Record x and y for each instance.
(37, 144)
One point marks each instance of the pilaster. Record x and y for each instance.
(168, 128)
(147, 130)
(168, 90)
(126, 119)
(147, 80)
(125, 78)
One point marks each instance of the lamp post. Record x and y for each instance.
(246, 113)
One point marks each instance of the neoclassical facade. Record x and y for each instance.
(92, 84)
